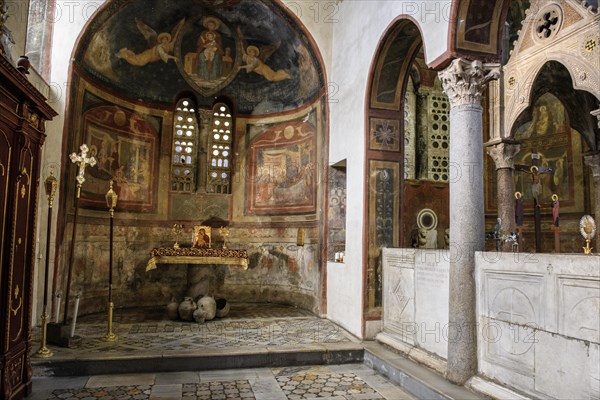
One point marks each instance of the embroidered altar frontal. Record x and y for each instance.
(170, 255)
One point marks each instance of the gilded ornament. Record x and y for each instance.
(587, 227)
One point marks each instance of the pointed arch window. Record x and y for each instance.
(219, 150)
(185, 144)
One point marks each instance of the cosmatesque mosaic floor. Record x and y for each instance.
(148, 331)
(247, 325)
(334, 382)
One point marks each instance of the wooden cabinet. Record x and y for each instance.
(23, 112)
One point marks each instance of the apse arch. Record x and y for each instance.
(475, 31)
(118, 48)
(557, 79)
(401, 92)
(127, 84)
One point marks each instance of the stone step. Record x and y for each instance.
(200, 360)
(416, 379)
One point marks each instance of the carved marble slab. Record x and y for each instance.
(539, 322)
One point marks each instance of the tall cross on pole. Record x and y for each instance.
(82, 160)
(535, 170)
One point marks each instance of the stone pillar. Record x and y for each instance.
(503, 154)
(205, 118)
(593, 161)
(464, 81)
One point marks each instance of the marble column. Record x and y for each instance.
(593, 162)
(464, 81)
(203, 139)
(503, 154)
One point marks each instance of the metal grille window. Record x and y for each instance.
(219, 150)
(185, 142)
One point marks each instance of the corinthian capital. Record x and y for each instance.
(464, 81)
(593, 161)
(503, 154)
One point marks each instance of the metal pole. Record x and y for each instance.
(50, 185)
(111, 201)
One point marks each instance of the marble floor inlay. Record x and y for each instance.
(336, 382)
(247, 325)
(311, 386)
(134, 392)
(239, 390)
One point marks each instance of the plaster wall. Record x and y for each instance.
(17, 25)
(69, 19)
(360, 27)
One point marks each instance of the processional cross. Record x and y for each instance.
(535, 171)
(82, 160)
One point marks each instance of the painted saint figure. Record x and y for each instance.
(161, 45)
(519, 210)
(555, 211)
(202, 240)
(210, 50)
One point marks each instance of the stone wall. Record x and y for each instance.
(539, 321)
(415, 304)
(538, 318)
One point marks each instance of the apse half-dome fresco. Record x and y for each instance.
(249, 50)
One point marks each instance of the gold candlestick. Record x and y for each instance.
(177, 229)
(111, 202)
(224, 232)
(51, 185)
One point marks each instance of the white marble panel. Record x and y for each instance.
(579, 308)
(564, 376)
(415, 287)
(514, 297)
(508, 345)
(399, 293)
(594, 371)
(431, 292)
(559, 295)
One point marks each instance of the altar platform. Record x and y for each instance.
(255, 334)
(259, 351)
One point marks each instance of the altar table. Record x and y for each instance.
(193, 255)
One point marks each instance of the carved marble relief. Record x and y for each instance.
(538, 322)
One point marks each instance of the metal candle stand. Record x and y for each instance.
(111, 203)
(51, 184)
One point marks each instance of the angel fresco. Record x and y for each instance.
(161, 45)
(255, 62)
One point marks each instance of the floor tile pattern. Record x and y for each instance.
(335, 382)
(310, 386)
(103, 393)
(148, 330)
(239, 390)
